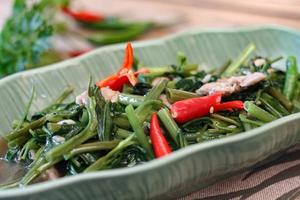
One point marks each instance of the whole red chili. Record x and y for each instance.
(159, 142)
(83, 16)
(188, 109)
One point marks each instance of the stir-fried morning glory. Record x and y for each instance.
(142, 113)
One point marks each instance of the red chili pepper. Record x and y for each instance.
(116, 82)
(186, 110)
(76, 53)
(108, 81)
(124, 75)
(230, 105)
(159, 142)
(83, 16)
(128, 60)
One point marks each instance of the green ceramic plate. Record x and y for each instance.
(183, 171)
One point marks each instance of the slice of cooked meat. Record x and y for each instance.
(82, 98)
(109, 94)
(253, 79)
(234, 84)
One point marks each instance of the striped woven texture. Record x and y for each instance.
(279, 179)
(185, 170)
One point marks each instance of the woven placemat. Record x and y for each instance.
(278, 180)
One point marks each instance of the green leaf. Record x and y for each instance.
(24, 38)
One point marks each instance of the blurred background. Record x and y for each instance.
(48, 31)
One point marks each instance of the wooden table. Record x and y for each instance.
(203, 13)
(185, 14)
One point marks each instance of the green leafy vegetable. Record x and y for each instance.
(101, 133)
(24, 38)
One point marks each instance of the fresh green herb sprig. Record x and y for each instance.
(24, 38)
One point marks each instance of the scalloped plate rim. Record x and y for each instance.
(31, 189)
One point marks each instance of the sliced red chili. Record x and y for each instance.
(124, 75)
(159, 143)
(128, 60)
(108, 81)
